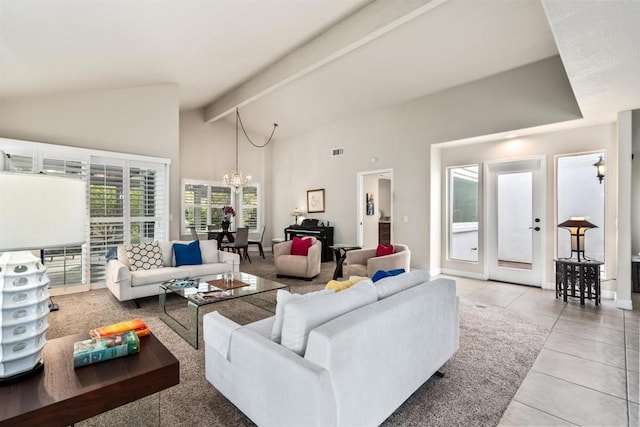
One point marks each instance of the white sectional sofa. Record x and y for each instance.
(353, 370)
(126, 284)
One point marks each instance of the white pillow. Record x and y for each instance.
(394, 284)
(303, 315)
(209, 251)
(282, 298)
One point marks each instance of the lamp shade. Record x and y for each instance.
(577, 227)
(41, 211)
(577, 222)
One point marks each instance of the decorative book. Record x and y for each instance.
(137, 325)
(96, 350)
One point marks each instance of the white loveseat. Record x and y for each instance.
(126, 284)
(355, 370)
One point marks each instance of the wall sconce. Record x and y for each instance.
(577, 226)
(600, 168)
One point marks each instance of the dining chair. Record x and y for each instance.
(194, 233)
(240, 244)
(258, 241)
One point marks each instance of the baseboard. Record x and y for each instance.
(462, 273)
(68, 289)
(433, 273)
(625, 304)
(607, 294)
(549, 286)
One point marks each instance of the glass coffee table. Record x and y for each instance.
(198, 294)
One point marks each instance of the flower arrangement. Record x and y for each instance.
(228, 212)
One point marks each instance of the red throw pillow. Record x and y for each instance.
(382, 250)
(300, 246)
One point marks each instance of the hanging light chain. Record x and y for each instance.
(238, 118)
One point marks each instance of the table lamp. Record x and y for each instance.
(297, 212)
(36, 212)
(577, 226)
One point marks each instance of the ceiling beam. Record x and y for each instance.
(369, 23)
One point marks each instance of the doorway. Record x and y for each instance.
(374, 207)
(515, 227)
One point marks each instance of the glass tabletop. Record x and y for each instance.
(244, 284)
(345, 246)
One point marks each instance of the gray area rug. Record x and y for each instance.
(497, 349)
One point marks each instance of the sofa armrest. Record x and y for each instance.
(282, 248)
(218, 333)
(117, 272)
(359, 256)
(230, 258)
(315, 253)
(271, 384)
(389, 262)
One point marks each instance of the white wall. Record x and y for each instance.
(140, 120)
(401, 137)
(207, 152)
(384, 197)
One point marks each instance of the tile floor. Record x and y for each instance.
(587, 372)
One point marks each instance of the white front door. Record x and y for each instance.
(514, 221)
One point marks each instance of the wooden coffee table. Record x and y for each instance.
(62, 396)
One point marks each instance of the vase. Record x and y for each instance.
(225, 225)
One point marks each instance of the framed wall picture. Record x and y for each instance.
(315, 200)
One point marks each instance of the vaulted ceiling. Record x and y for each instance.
(309, 63)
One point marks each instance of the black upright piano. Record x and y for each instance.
(324, 234)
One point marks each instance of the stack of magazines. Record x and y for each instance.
(109, 342)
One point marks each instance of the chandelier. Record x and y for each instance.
(236, 179)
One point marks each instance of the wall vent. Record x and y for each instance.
(337, 152)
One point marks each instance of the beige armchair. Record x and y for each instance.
(306, 267)
(363, 262)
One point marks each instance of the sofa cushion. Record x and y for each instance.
(144, 256)
(167, 253)
(156, 275)
(394, 284)
(209, 251)
(282, 298)
(381, 274)
(344, 284)
(188, 254)
(202, 270)
(383, 250)
(303, 315)
(301, 246)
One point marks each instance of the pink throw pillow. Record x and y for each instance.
(300, 246)
(382, 250)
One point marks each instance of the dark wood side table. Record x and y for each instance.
(340, 251)
(578, 279)
(62, 396)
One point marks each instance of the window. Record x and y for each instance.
(580, 194)
(463, 213)
(249, 208)
(64, 264)
(127, 205)
(203, 202)
(127, 202)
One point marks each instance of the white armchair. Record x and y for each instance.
(364, 262)
(306, 267)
